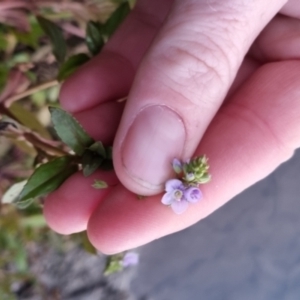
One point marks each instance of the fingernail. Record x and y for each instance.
(155, 138)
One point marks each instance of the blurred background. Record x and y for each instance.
(249, 249)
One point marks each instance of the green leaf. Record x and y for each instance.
(70, 131)
(56, 37)
(116, 19)
(90, 162)
(94, 37)
(99, 184)
(98, 148)
(96, 157)
(47, 178)
(113, 264)
(70, 66)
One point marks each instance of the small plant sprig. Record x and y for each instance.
(85, 154)
(184, 189)
(118, 262)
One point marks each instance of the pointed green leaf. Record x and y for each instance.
(99, 184)
(98, 148)
(47, 178)
(70, 66)
(116, 19)
(56, 37)
(70, 131)
(90, 162)
(94, 37)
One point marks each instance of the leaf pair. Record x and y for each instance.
(93, 154)
(90, 154)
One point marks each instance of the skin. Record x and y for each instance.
(226, 77)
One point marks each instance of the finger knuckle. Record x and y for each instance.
(194, 69)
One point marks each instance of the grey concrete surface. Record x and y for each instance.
(247, 250)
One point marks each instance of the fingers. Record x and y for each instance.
(251, 135)
(110, 74)
(68, 209)
(180, 85)
(280, 40)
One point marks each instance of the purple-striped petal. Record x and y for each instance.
(192, 194)
(179, 206)
(167, 198)
(173, 184)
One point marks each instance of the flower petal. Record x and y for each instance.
(179, 206)
(172, 185)
(177, 166)
(130, 259)
(192, 194)
(167, 199)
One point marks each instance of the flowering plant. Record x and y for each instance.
(185, 189)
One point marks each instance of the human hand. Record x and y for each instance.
(179, 69)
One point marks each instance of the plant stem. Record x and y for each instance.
(48, 147)
(43, 144)
(30, 91)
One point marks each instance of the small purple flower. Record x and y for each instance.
(177, 166)
(130, 259)
(179, 196)
(193, 194)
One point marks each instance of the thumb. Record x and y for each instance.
(181, 83)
